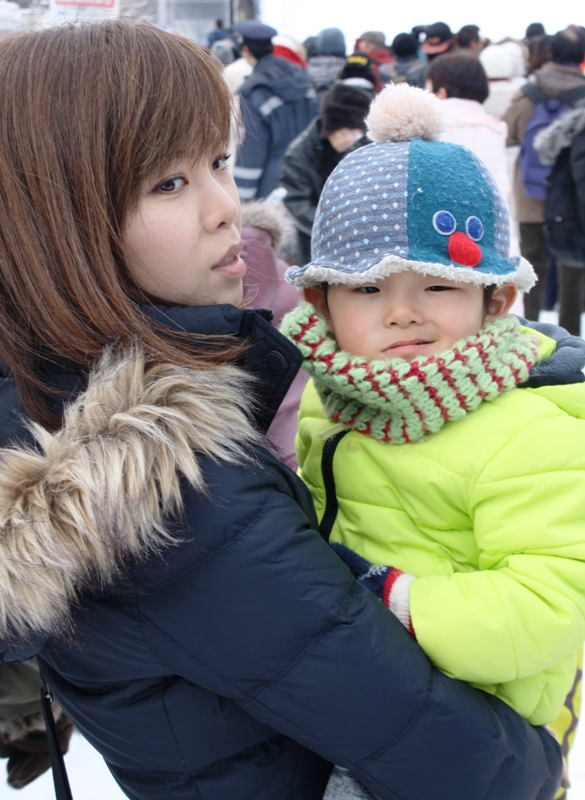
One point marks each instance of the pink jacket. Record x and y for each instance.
(264, 227)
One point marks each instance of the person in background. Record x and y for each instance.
(328, 60)
(359, 73)
(554, 79)
(468, 39)
(276, 103)
(438, 40)
(407, 67)
(373, 44)
(314, 154)
(225, 50)
(290, 49)
(267, 228)
(501, 64)
(219, 32)
(461, 83)
(533, 31)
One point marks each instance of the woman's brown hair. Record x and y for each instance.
(87, 113)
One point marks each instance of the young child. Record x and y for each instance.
(439, 435)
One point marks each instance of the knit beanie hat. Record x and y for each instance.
(408, 202)
(344, 107)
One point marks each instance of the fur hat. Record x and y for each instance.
(408, 202)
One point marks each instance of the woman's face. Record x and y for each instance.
(183, 241)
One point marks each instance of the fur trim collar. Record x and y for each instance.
(559, 134)
(100, 489)
(275, 220)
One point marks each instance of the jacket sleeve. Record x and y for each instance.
(516, 117)
(523, 611)
(270, 618)
(300, 190)
(253, 152)
(578, 171)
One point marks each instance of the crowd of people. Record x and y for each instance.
(486, 110)
(364, 580)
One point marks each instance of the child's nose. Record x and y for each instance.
(463, 250)
(402, 312)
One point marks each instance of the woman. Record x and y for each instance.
(161, 562)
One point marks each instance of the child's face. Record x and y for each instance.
(407, 315)
(183, 241)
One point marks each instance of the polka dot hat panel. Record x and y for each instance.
(362, 213)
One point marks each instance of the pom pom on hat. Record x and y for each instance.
(402, 112)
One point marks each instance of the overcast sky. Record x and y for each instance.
(496, 18)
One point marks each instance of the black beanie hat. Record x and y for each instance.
(344, 107)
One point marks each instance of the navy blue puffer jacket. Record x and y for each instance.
(192, 622)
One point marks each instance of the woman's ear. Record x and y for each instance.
(502, 300)
(316, 296)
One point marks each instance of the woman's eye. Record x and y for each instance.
(221, 162)
(171, 185)
(444, 223)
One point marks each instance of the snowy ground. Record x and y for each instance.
(91, 780)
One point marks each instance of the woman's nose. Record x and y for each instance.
(220, 206)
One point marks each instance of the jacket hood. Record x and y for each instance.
(287, 81)
(559, 134)
(557, 79)
(330, 42)
(275, 220)
(79, 504)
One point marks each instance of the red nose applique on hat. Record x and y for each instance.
(463, 250)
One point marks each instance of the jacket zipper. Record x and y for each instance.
(331, 505)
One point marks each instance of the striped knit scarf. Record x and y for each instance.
(399, 401)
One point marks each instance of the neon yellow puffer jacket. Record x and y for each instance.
(489, 516)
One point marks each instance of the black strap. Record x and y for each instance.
(60, 779)
(533, 93)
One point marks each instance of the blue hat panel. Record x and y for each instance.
(450, 191)
(362, 214)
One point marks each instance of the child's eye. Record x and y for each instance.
(439, 288)
(170, 185)
(221, 162)
(366, 289)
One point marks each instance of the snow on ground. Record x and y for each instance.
(91, 780)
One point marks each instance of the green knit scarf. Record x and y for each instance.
(399, 401)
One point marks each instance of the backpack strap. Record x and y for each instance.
(575, 97)
(533, 93)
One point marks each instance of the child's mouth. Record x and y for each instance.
(406, 347)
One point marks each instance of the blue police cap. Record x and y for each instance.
(252, 29)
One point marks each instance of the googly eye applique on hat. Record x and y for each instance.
(407, 201)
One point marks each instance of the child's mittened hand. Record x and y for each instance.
(390, 584)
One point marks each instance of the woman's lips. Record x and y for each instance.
(233, 267)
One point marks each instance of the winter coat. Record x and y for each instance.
(276, 103)
(563, 144)
(264, 229)
(488, 515)
(196, 627)
(308, 162)
(555, 80)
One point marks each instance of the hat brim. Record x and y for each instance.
(432, 49)
(523, 276)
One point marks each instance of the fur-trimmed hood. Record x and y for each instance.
(559, 134)
(85, 498)
(275, 220)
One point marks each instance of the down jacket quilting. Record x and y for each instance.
(193, 623)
